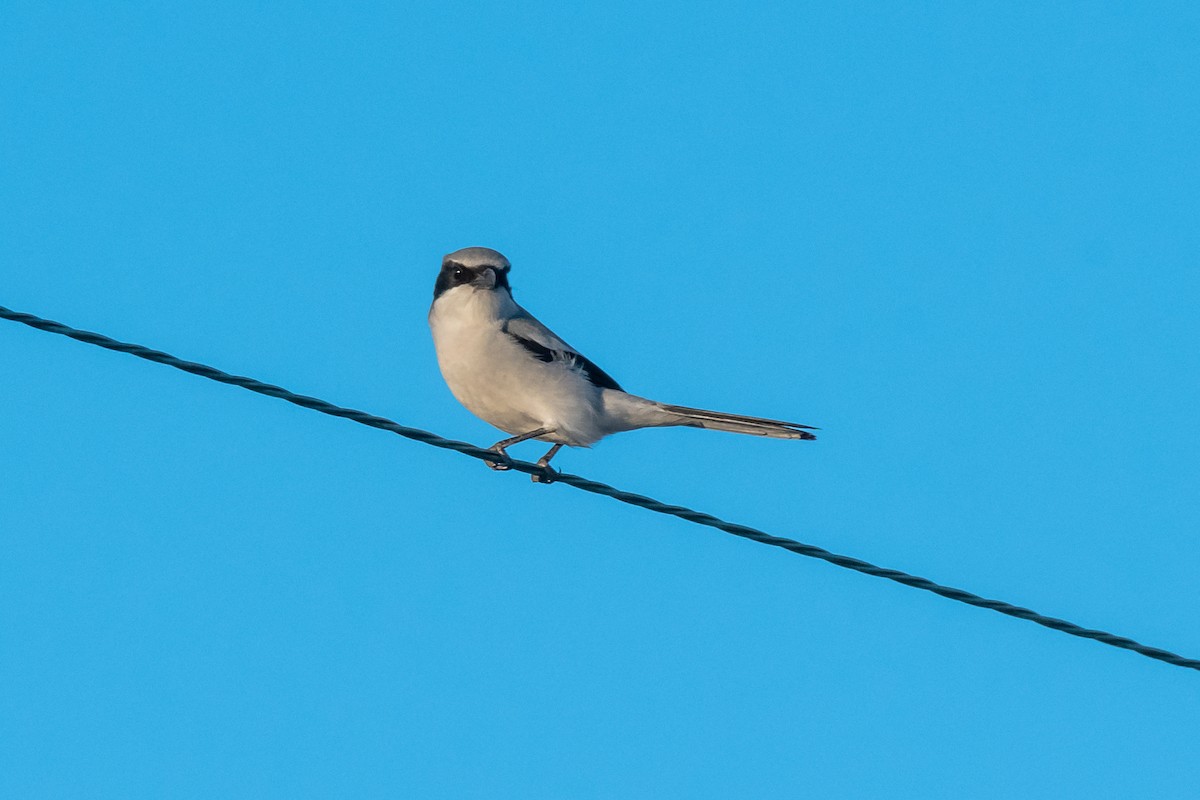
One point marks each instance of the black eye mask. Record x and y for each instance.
(455, 274)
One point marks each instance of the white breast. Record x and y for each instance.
(502, 383)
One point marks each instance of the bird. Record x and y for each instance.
(514, 373)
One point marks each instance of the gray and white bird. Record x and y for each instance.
(513, 372)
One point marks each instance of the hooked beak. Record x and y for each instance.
(486, 279)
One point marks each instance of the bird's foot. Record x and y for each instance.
(547, 475)
(499, 466)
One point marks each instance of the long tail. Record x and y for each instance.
(736, 423)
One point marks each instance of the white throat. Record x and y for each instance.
(472, 307)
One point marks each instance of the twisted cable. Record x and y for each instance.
(549, 475)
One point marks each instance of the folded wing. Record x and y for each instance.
(544, 345)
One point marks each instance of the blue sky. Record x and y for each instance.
(961, 238)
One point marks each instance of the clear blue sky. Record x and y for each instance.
(962, 238)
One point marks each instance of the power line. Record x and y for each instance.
(595, 487)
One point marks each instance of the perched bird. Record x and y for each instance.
(513, 372)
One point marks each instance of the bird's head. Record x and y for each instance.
(480, 268)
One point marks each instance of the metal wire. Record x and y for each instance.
(549, 475)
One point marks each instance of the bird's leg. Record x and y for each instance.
(544, 463)
(500, 446)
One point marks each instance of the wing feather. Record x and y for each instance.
(544, 345)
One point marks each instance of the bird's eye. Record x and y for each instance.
(460, 274)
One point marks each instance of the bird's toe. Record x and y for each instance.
(547, 475)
